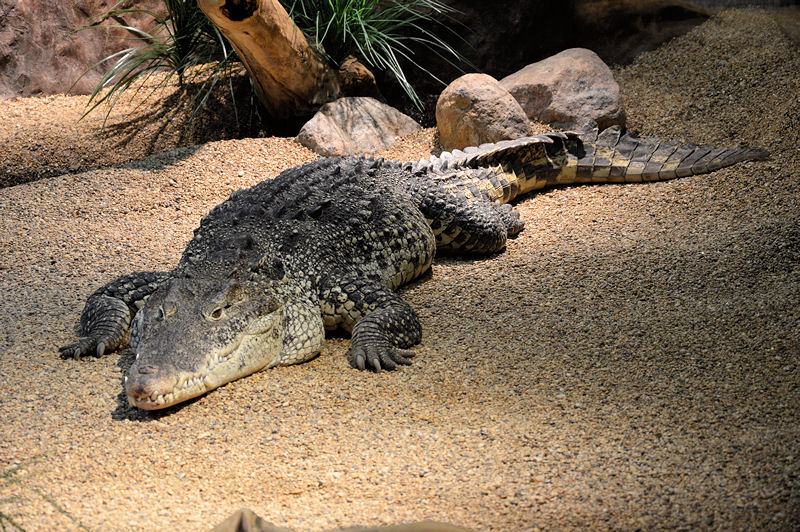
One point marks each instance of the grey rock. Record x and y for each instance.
(354, 125)
(567, 90)
(475, 109)
(246, 520)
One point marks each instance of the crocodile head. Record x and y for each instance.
(198, 332)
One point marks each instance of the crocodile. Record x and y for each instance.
(326, 245)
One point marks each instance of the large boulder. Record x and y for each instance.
(355, 125)
(568, 89)
(475, 109)
(38, 55)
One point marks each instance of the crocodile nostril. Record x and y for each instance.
(148, 370)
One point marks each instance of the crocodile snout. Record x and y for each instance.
(147, 386)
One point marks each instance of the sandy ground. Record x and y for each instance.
(631, 361)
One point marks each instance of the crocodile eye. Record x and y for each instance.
(218, 313)
(165, 311)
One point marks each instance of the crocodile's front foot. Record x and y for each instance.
(378, 356)
(384, 326)
(84, 346)
(380, 340)
(105, 323)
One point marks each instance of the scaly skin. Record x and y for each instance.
(325, 245)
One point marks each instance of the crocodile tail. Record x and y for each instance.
(585, 156)
(613, 157)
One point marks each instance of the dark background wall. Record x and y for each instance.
(39, 56)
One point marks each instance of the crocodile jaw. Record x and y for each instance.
(153, 386)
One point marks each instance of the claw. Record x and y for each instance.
(380, 359)
(70, 351)
(82, 347)
(403, 355)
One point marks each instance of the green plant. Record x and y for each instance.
(184, 43)
(382, 33)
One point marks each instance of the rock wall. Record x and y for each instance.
(39, 56)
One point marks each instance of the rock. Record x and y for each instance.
(356, 79)
(475, 109)
(568, 89)
(246, 520)
(39, 56)
(355, 125)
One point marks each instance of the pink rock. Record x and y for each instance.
(568, 89)
(475, 109)
(39, 56)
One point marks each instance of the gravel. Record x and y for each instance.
(53, 135)
(631, 361)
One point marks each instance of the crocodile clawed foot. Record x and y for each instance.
(378, 358)
(84, 346)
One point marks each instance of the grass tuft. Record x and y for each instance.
(186, 45)
(384, 34)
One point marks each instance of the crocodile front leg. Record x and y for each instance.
(303, 333)
(106, 317)
(383, 326)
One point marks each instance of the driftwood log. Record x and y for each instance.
(291, 79)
